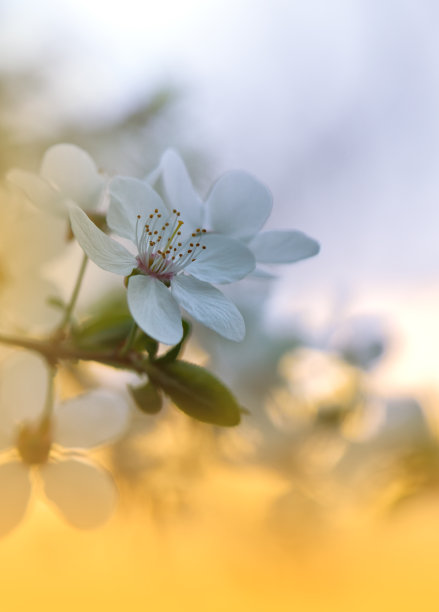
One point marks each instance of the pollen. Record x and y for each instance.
(176, 252)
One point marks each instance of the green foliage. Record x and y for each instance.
(196, 392)
(175, 351)
(146, 343)
(147, 397)
(107, 329)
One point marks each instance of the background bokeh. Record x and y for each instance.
(326, 494)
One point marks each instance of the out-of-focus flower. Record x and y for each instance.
(28, 241)
(237, 206)
(67, 174)
(172, 266)
(361, 341)
(36, 446)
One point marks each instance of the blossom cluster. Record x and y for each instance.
(173, 250)
(182, 246)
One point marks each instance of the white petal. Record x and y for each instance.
(91, 419)
(39, 192)
(178, 189)
(84, 494)
(154, 309)
(208, 306)
(74, 173)
(285, 246)
(260, 273)
(23, 389)
(224, 260)
(15, 490)
(130, 198)
(105, 252)
(238, 205)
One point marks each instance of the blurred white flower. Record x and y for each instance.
(67, 174)
(173, 266)
(238, 206)
(36, 448)
(28, 241)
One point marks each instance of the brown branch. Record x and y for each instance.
(57, 351)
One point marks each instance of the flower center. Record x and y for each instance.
(34, 442)
(163, 252)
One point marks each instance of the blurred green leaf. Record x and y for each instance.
(146, 343)
(147, 398)
(174, 352)
(109, 324)
(196, 392)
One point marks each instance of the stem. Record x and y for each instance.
(54, 352)
(48, 405)
(130, 339)
(72, 302)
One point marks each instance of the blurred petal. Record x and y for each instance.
(23, 389)
(283, 246)
(91, 419)
(15, 491)
(74, 173)
(25, 306)
(178, 189)
(224, 260)
(84, 494)
(130, 198)
(39, 192)
(238, 205)
(104, 251)
(154, 309)
(209, 306)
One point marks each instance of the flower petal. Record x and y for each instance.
(105, 252)
(15, 491)
(238, 205)
(74, 173)
(208, 306)
(178, 189)
(84, 494)
(154, 309)
(39, 192)
(283, 246)
(224, 260)
(131, 197)
(23, 389)
(91, 419)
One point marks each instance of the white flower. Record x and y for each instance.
(67, 174)
(238, 206)
(35, 449)
(173, 267)
(28, 241)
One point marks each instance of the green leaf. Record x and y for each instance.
(147, 398)
(106, 332)
(196, 392)
(108, 325)
(145, 342)
(174, 352)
